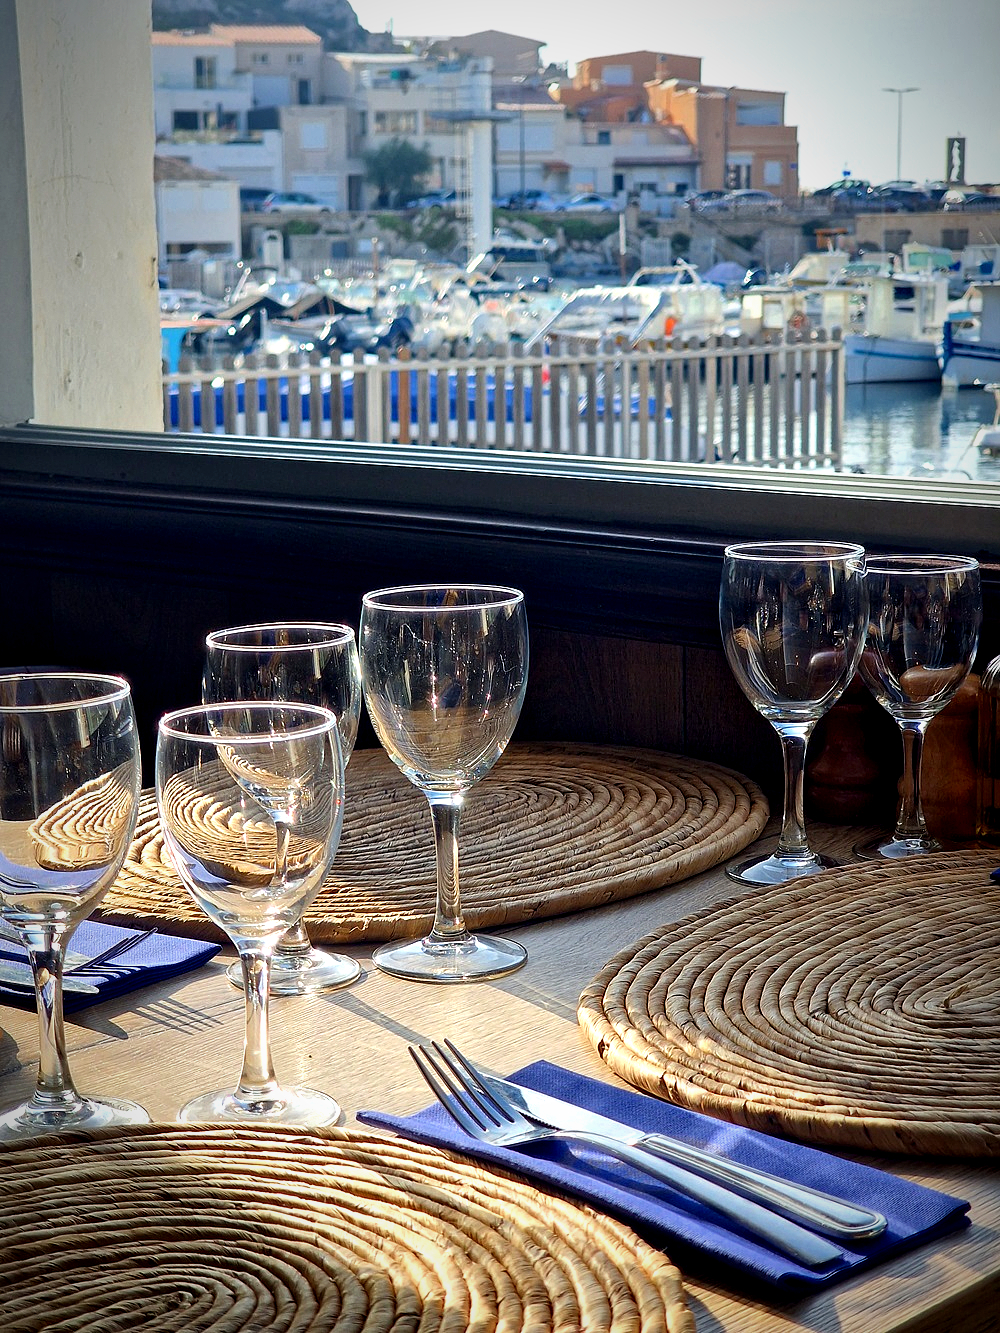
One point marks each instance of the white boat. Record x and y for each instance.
(680, 306)
(970, 346)
(904, 316)
(987, 438)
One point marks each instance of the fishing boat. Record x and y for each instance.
(970, 345)
(904, 315)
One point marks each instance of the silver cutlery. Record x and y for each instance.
(480, 1114)
(76, 963)
(18, 977)
(814, 1208)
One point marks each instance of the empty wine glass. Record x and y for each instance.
(444, 670)
(250, 799)
(69, 795)
(793, 621)
(297, 663)
(923, 631)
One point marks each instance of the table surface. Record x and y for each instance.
(170, 1041)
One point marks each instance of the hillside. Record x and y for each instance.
(333, 20)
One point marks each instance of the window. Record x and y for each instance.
(204, 71)
(773, 174)
(603, 136)
(395, 122)
(313, 136)
(617, 76)
(758, 113)
(295, 58)
(260, 58)
(185, 121)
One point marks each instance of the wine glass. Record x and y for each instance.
(793, 622)
(444, 670)
(923, 632)
(250, 799)
(298, 663)
(69, 795)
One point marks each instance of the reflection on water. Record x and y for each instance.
(903, 430)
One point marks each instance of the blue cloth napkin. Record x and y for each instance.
(914, 1213)
(152, 959)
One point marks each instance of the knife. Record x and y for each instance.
(18, 977)
(822, 1212)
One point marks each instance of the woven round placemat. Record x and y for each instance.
(191, 1229)
(857, 1007)
(552, 829)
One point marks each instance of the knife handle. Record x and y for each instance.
(778, 1232)
(822, 1212)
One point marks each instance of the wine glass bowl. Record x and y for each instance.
(923, 632)
(792, 617)
(250, 800)
(69, 796)
(299, 662)
(444, 671)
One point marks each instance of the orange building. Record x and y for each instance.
(739, 134)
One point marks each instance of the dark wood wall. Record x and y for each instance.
(114, 575)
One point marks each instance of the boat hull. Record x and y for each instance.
(870, 359)
(969, 364)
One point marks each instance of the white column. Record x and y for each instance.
(481, 186)
(79, 338)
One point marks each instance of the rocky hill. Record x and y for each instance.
(333, 20)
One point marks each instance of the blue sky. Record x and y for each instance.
(832, 59)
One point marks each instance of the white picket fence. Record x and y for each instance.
(776, 403)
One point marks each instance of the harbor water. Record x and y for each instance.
(915, 430)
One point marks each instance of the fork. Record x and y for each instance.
(84, 964)
(477, 1111)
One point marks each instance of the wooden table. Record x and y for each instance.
(164, 1044)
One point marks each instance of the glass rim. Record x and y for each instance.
(171, 724)
(336, 633)
(793, 552)
(494, 595)
(107, 689)
(900, 562)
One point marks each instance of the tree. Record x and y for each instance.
(398, 171)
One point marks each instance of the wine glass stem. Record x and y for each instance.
(257, 1080)
(910, 821)
(295, 941)
(54, 1088)
(794, 738)
(448, 923)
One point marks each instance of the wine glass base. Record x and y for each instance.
(304, 974)
(27, 1122)
(470, 958)
(776, 869)
(887, 847)
(290, 1106)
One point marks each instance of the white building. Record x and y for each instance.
(195, 210)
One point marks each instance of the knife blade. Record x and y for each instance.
(18, 977)
(821, 1212)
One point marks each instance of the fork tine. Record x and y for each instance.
(501, 1110)
(114, 951)
(447, 1094)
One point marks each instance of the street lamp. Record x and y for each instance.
(899, 124)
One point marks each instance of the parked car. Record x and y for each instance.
(847, 186)
(293, 201)
(971, 201)
(587, 203)
(898, 197)
(435, 199)
(251, 198)
(743, 201)
(700, 198)
(848, 195)
(528, 201)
